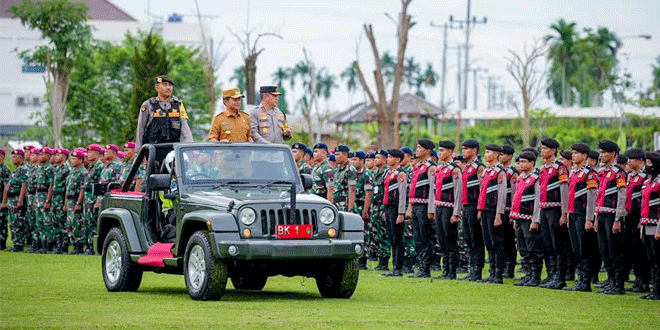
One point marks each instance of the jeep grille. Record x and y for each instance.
(272, 217)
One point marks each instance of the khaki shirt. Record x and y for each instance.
(229, 126)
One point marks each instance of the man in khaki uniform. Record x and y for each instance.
(231, 125)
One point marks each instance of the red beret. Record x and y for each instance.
(120, 154)
(18, 152)
(63, 151)
(111, 147)
(95, 147)
(129, 145)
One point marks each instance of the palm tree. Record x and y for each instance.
(351, 76)
(562, 50)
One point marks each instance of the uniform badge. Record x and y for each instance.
(143, 108)
(265, 130)
(263, 116)
(528, 180)
(281, 117)
(636, 179)
(609, 174)
(550, 171)
(226, 123)
(581, 175)
(227, 132)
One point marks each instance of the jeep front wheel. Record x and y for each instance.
(339, 279)
(247, 282)
(120, 273)
(206, 275)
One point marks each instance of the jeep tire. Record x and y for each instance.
(246, 282)
(120, 273)
(205, 274)
(339, 279)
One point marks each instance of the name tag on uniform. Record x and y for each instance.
(226, 123)
(176, 125)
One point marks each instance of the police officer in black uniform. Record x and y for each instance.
(163, 118)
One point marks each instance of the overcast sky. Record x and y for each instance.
(331, 31)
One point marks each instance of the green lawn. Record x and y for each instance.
(61, 291)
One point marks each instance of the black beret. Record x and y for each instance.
(566, 154)
(396, 153)
(470, 143)
(581, 147)
(332, 158)
(608, 146)
(309, 151)
(508, 149)
(370, 155)
(321, 145)
(434, 154)
(517, 159)
(654, 157)
(636, 153)
(162, 78)
(351, 154)
(360, 154)
(622, 160)
(382, 152)
(299, 146)
(426, 144)
(594, 154)
(447, 144)
(407, 150)
(493, 147)
(459, 158)
(532, 150)
(342, 148)
(550, 143)
(530, 156)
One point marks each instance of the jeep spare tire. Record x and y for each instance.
(120, 273)
(206, 275)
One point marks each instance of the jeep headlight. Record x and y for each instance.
(327, 216)
(247, 216)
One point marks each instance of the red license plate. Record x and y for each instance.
(293, 231)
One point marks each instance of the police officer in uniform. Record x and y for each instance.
(394, 200)
(268, 123)
(471, 178)
(231, 125)
(510, 233)
(163, 118)
(649, 222)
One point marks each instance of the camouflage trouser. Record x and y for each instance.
(463, 257)
(89, 224)
(75, 222)
(4, 222)
(44, 219)
(383, 245)
(31, 216)
(59, 219)
(20, 227)
(409, 241)
(369, 238)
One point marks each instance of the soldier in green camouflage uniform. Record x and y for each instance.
(94, 152)
(74, 201)
(344, 181)
(383, 246)
(322, 174)
(31, 166)
(113, 166)
(298, 151)
(130, 157)
(14, 201)
(363, 191)
(44, 232)
(60, 173)
(4, 213)
(410, 255)
(463, 256)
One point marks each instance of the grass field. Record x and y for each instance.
(61, 291)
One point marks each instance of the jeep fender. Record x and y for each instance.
(211, 220)
(350, 222)
(110, 218)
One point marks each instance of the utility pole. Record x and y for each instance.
(476, 72)
(490, 87)
(444, 27)
(468, 20)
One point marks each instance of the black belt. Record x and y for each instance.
(42, 190)
(12, 194)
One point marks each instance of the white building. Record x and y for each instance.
(22, 86)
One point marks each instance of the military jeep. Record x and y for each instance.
(224, 211)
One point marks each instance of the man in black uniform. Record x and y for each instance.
(163, 118)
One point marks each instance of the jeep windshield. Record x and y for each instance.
(231, 166)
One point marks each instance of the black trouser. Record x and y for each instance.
(422, 231)
(653, 256)
(634, 252)
(610, 245)
(534, 244)
(473, 236)
(557, 242)
(493, 238)
(573, 252)
(521, 244)
(510, 252)
(585, 245)
(447, 236)
(395, 235)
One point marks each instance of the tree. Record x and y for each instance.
(250, 51)
(530, 80)
(596, 55)
(388, 113)
(279, 77)
(561, 53)
(238, 77)
(651, 98)
(64, 25)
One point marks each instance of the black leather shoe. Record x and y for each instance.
(557, 285)
(651, 296)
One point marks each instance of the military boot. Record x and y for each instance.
(535, 278)
(618, 287)
(510, 269)
(655, 281)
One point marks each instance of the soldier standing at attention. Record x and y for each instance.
(448, 208)
(44, 191)
(5, 173)
(369, 236)
(410, 255)
(553, 196)
(649, 227)
(471, 178)
(32, 164)
(94, 152)
(511, 254)
(344, 181)
(163, 118)
(394, 200)
(60, 173)
(112, 168)
(363, 194)
(422, 206)
(377, 219)
(298, 151)
(129, 155)
(322, 174)
(231, 125)
(14, 200)
(610, 214)
(267, 122)
(75, 195)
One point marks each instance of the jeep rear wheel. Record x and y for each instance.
(120, 273)
(247, 282)
(206, 275)
(339, 279)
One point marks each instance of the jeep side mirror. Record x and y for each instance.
(307, 181)
(159, 182)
